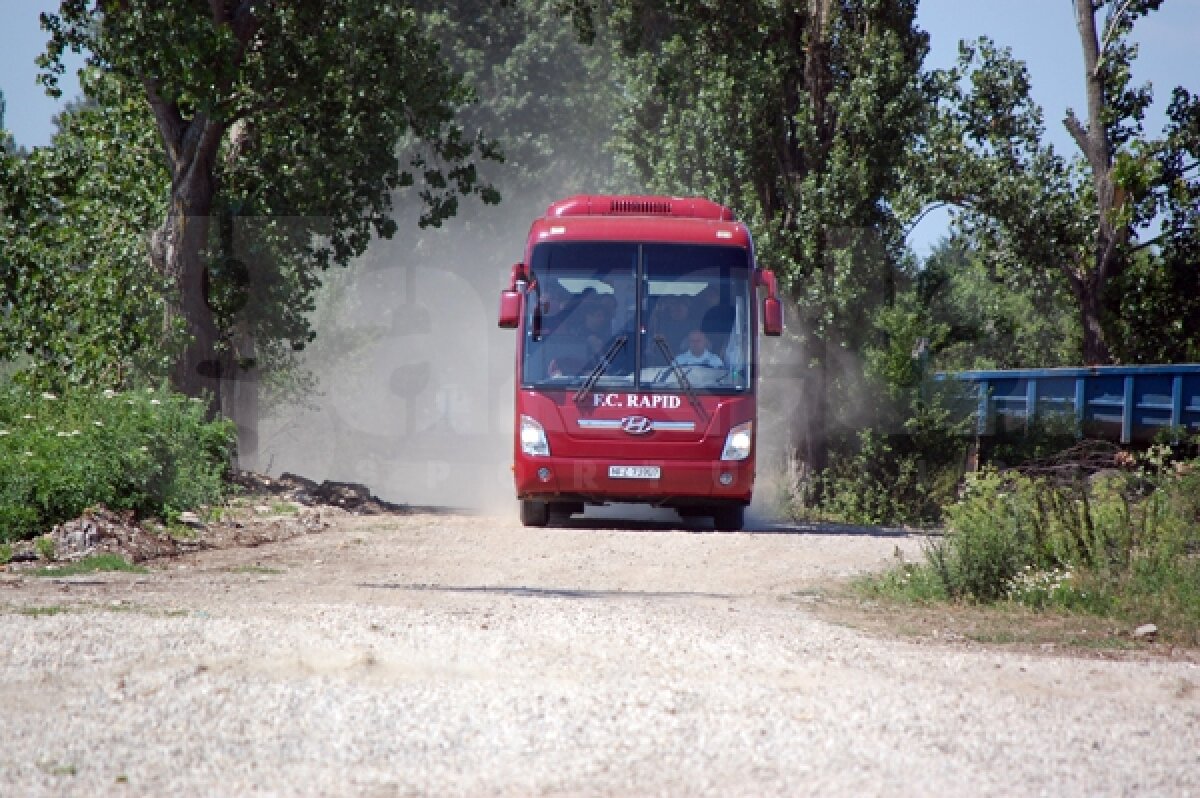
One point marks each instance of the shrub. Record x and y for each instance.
(992, 534)
(905, 477)
(1122, 543)
(149, 451)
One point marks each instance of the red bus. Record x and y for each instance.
(637, 358)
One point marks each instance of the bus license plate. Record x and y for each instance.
(634, 472)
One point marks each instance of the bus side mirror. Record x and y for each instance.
(510, 298)
(772, 316)
(510, 309)
(772, 320)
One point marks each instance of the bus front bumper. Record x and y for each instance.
(675, 483)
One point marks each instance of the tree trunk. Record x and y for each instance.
(179, 251)
(1089, 296)
(1088, 284)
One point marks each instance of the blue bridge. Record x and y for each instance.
(1124, 404)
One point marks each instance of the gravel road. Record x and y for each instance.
(456, 655)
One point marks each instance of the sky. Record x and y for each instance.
(1040, 32)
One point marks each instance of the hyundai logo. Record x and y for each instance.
(637, 425)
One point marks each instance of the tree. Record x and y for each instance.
(5, 137)
(1079, 221)
(798, 115)
(80, 306)
(977, 314)
(279, 109)
(548, 99)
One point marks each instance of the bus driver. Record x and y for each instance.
(697, 353)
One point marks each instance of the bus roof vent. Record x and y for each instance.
(639, 205)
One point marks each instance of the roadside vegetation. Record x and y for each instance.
(94, 564)
(821, 125)
(1117, 543)
(150, 451)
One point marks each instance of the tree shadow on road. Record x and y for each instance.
(636, 518)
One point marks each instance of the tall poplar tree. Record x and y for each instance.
(1083, 221)
(798, 113)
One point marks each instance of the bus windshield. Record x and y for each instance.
(638, 316)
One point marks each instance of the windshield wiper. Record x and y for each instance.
(665, 348)
(601, 367)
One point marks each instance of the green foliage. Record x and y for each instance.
(1044, 437)
(910, 581)
(1154, 306)
(905, 477)
(979, 314)
(1075, 227)
(90, 565)
(82, 306)
(285, 131)
(548, 99)
(990, 538)
(44, 547)
(1121, 543)
(149, 451)
(1022, 207)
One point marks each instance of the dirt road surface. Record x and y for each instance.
(458, 655)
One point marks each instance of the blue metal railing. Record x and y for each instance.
(1126, 404)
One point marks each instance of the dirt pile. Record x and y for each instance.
(264, 510)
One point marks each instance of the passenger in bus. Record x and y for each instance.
(597, 327)
(672, 320)
(717, 323)
(599, 336)
(553, 308)
(697, 353)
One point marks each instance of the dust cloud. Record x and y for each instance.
(413, 393)
(414, 381)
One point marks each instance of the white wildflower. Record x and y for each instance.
(98, 423)
(109, 393)
(3, 432)
(49, 397)
(155, 402)
(27, 417)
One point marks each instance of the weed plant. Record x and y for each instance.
(1123, 544)
(97, 563)
(890, 478)
(149, 451)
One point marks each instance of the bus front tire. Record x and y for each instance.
(729, 519)
(534, 513)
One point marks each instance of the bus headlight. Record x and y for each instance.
(533, 438)
(737, 442)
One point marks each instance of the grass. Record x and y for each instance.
(254, 569)
(42, 612)
(1090, 612)
(864, 604)
(90, 565)
(1123, 546)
